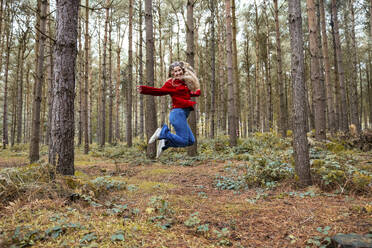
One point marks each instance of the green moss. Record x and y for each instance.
(362, 181)
(317, 163)
(335, 147)
(156, 171)
(150, 186)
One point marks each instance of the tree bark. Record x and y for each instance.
(50, 80)
(151, 123)
(104, 79)
(23, 47)
(213, 79)
(61, 152)
(340, 67)
(317, 84)
(192, 150)
(256, 92)
(141, 100)
(327, 69)
(230, 84)
(282, 109)
(117, 88)
(130, 76)
(80, 82)
(111, 92)
(354, 85)
(236, 80)
(35, 129)
(300, 145)
(86, 79)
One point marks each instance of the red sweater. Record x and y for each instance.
(177, 89)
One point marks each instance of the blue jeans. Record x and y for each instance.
(184, 136)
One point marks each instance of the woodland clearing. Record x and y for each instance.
(240, 197)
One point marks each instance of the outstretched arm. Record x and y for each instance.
(148, 90)
(195, 93)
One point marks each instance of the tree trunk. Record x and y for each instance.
(130, 76)
(23, 43)
(192, 150)
(80, 82)
(117, 89)
(213, 80)
(257, 92)
(340, 67)
(6, 74)
(336, 84)
(236, 81)
(354, 85)
(27, 110)
(300, 145)
(104, 79)
(230, 84)
(327, 67)
(141, 103)
(50, 80)
(317, 84)
(249, 91)
(35, 129)
(61, 152)
(151, 123)
(111, 92)
(91, 86)
(370, 65)
(269, 100)
(282, 110)
(86, 79)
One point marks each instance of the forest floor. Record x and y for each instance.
(192, 203)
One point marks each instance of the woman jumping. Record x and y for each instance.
(182, 85)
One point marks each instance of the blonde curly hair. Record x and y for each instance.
(189, 75)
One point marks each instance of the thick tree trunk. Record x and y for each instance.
(130, 77)
(230, 84)
(151, 123)
(61, 152)
(86, 79)
(300, 145)
(340, 67)
(317, 84)
(192, 150)
(282, 109)
(35, 129)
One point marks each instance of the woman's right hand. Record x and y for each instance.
(139, 88)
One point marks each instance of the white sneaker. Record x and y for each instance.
(160, 148)
(155, 136)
